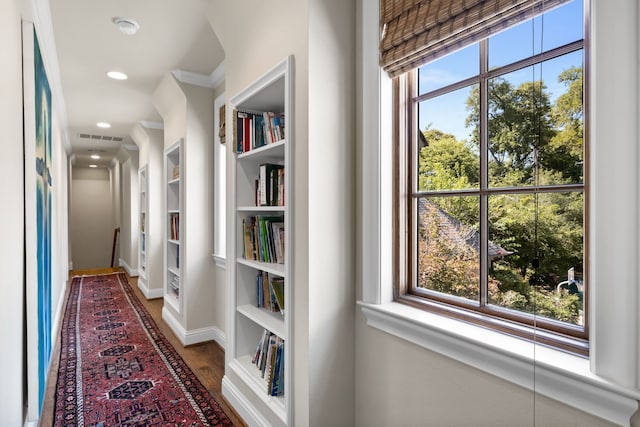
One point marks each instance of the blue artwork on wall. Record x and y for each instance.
(43, 215)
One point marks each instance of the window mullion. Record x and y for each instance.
(484, 180)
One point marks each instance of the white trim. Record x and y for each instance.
(191, 78)
(193, 336)
(221, 262)
(132, 272)
(551, 373)
(149, 293)
(152, 125)
(55, 325)
(217, 76)
(249, 414)
(28, 423)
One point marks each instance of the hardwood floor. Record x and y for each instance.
(206, 360)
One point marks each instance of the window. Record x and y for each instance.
(605, 384)
(495, 178)
(220, 184)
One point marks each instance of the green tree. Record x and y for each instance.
(531, 141)
(566, 148)
(519, 127)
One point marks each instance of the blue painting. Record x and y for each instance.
(43, 215)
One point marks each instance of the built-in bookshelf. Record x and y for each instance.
(143, 239)
(259, 350)
(173, 226)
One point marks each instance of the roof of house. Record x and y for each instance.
(456, 231)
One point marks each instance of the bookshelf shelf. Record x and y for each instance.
(246, 370)
(173, 228)
(259, 209)
(268, 320)
(266, 152)
(261, 230)
(269, 267)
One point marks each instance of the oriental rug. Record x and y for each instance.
(116, 367)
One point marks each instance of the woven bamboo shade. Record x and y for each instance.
(415, 32)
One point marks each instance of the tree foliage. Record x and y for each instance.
(531, 141)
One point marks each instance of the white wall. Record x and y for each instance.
(12, 358)
(130, 212)
(332, 212)
(151, 146)
(200, 274)
(92, 223)
(399, 383)
(187, 111)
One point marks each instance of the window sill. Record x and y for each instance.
(560, 376)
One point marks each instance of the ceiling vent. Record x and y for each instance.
(101, 137)
(127, 26)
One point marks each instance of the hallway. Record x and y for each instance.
(206, 360)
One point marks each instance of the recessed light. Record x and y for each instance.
(95, 156)
(117, 75)
(127, 26)
(93, 166)
(103, 125)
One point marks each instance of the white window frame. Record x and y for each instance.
(606, 385)
(219, 188)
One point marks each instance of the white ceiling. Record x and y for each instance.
(173, 35)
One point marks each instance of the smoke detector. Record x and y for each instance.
(127, 26)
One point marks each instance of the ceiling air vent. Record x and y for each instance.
(101, 137)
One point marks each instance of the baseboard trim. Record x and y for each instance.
(149, 293)
(132, 272)
(193, 336)
(55, 326)
(250, 415)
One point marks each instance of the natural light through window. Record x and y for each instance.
(497, 176)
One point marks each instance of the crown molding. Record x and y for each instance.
(195, 79)
(211, 81)
(148, 124)
(217, 75)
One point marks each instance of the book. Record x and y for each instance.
(277, 231)
(268, 190)
(277, 287)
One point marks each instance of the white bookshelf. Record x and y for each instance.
(243, 384)
(143, 240)
(173, 286)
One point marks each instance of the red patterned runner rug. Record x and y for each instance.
(116, 367)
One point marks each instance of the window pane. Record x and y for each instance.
(448, 151)
(555, 290)
(450, 69)
(448, 245)
(533, 123)
(555, 28)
